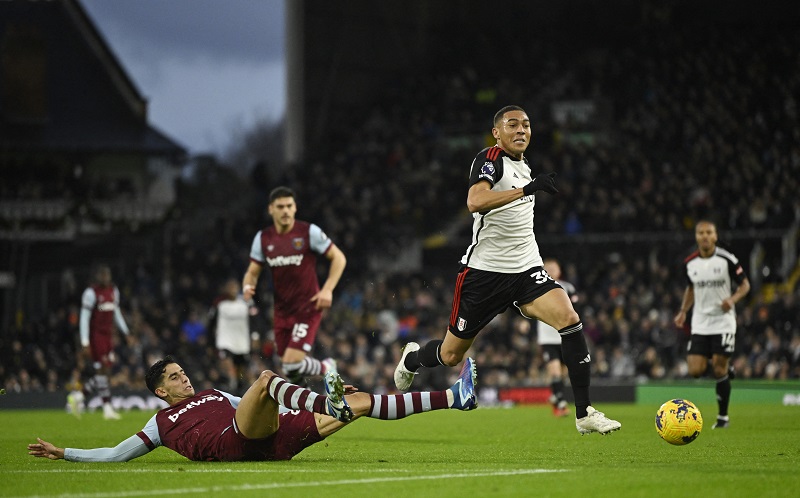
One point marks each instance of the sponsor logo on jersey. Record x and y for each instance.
(107, 306)
(711, 283)
(296, 260)
(462, 324)
(193, 404)
(298, 243)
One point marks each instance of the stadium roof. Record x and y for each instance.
(62, 89)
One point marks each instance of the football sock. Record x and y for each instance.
(576, 357)
(427, 356)
(723, 395)
(557, 387)
(101, 386)
(395, 406)
(295, 397)
(296, 372)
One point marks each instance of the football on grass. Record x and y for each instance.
(679, 422)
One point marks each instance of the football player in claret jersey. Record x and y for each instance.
(502, 268)
(711, 273)
(213, 425)
(99, 313)
(289, 248)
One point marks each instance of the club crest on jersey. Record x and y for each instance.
(462, 324)
(298, 243)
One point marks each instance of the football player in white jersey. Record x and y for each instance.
(710, 273)
(502, 268)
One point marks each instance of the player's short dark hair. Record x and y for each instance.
(156, 372)
(279, 192)
(499, 114)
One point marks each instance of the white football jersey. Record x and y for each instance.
(712, 279)
(233, 325)
(502, 238)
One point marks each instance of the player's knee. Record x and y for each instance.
(265, 376)
(720, 371)
(451, 358)
(696, 372)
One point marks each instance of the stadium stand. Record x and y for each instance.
(649, 128)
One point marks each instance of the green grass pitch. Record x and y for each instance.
(521, 451)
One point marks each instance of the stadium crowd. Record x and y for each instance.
(705, 123)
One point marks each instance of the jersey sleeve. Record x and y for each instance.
(318, 240)
(256, 251)
(234, 400)
(118, 318)
(149, 435)
(88, 299)
(486, 169)
(736, 271)
(131, 448)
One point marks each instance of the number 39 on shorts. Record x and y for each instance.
(299, 331)
(541, 276)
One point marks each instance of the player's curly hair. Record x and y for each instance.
(156, 372)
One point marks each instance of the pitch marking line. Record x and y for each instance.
(266, 486)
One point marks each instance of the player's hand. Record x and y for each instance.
(248, 291)
(727, 304)
(680, 319)
(544, 181)
(323, 299)
(348, 389)
(43, 449)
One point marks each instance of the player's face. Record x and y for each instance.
(706, 236)
(282, 211)
(513, 132)
(176, 385)
(104, 276)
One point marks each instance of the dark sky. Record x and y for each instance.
(207, 67)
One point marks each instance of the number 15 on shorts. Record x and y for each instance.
(299, 331)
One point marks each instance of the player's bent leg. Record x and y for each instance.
(553, 308)
(257, 413)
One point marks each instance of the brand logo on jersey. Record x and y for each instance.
(270, 247)
(108, 306)
(462, 324)
(296, 260)
(515, 176)
(488, 168)
(710, 283)
(717, 270)
(209, 397)
(298, 243)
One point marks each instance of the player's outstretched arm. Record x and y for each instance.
(131, 448)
